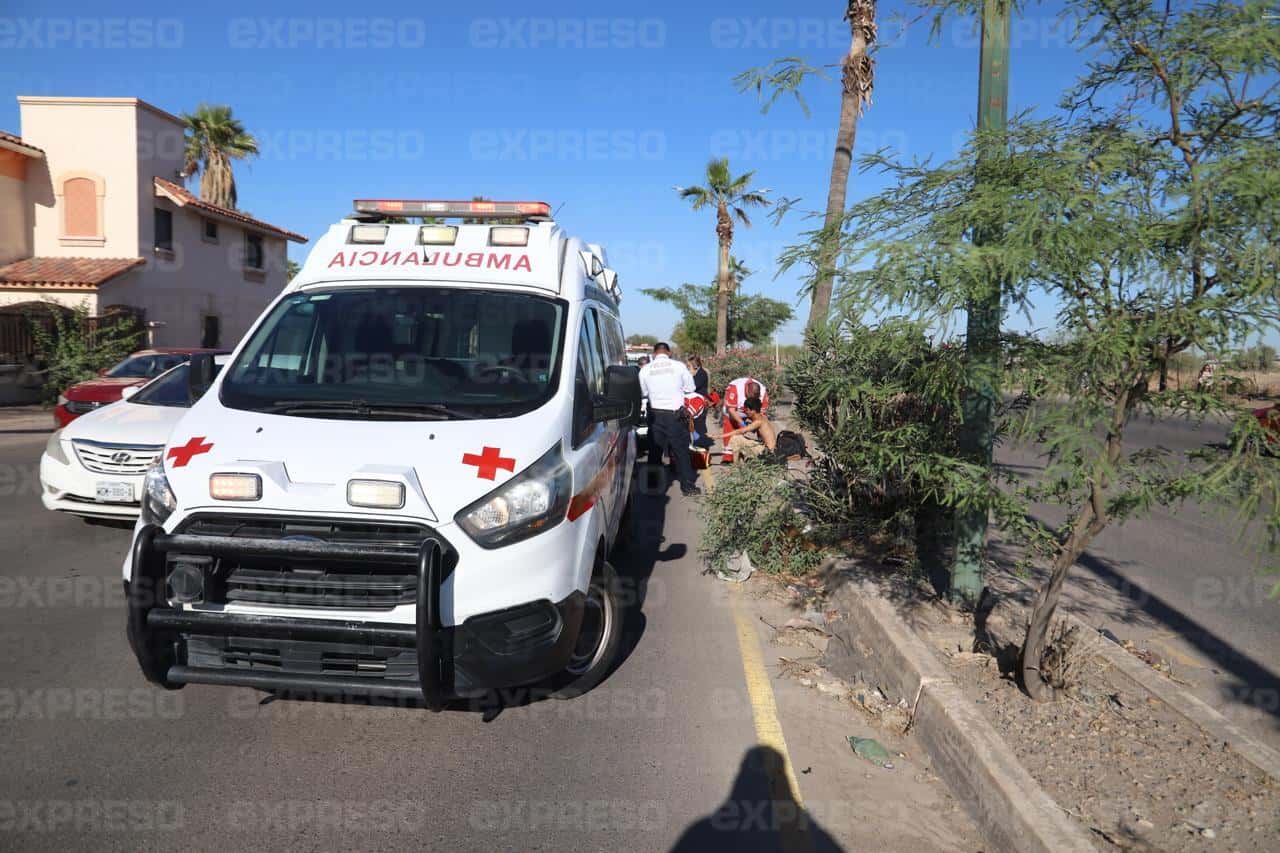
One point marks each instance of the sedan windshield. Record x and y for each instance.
(145, 366)
(400, 353)
(170, 389)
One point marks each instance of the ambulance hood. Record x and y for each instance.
(306, 463)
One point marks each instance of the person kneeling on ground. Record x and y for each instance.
(756, 436)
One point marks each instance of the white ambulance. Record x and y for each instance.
(407, 478)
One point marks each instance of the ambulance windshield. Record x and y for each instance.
(401, 353)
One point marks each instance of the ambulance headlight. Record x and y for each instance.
(376, 494)
(529, 503)
(235, 487)
(158, 501)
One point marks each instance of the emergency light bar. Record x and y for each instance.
(468, 209)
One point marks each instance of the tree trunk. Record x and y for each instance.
(217, 184)
(1047, 603)
(724, 231)
(1091, 521)
(853, 92)
(722, 299)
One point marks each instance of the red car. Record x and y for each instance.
(137, 369)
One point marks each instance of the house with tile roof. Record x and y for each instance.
(94, 212)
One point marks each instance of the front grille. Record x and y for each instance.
(302, 587)
(300, 657)
(129, 460)
(322, 581)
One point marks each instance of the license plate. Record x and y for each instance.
(115, 492)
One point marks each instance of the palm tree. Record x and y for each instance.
(731, 196)
(214, 139)
(857, 81)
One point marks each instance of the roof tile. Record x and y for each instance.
(64, 273)
(18, 140)
(183, 197)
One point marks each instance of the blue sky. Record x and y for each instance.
(600, 114)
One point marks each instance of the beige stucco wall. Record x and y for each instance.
(15, 224)
(198, 279)
(69, 298)
(95, 135)
(129, 143)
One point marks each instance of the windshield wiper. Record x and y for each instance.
(363, 408)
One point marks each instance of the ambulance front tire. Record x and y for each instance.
(599, 639)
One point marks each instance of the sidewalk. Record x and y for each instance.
(25, 420)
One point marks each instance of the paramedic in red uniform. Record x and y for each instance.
(665, 382)
(735, 396)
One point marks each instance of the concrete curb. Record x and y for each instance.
(1009, 806)
(1251, 750)
(1243, 744)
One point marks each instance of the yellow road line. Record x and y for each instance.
(764, 711)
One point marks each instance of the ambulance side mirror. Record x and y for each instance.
(621, 400)
(200, 375)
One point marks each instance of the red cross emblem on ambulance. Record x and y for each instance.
(488, 462)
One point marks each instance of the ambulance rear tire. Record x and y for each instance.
(599, 638)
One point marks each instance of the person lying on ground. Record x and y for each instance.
(756, 436)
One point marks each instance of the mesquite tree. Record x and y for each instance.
(1146, 216)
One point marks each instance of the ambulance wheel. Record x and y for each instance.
(599, 638)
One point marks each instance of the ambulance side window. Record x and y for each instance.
(588, 379)
(598, 359)
(615, 349)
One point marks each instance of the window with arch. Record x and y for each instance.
(80, 195)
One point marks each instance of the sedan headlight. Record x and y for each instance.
(54, 448)
(62, 399)
(158, 502)
(529, 503)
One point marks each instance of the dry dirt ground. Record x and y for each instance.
(1119, 761)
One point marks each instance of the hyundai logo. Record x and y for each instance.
(120, 457)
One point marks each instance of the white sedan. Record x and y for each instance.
(94, 466)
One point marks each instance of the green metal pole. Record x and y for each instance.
(983, 331)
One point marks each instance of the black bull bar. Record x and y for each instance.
(154, 626)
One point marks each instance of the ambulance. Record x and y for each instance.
(408, 477)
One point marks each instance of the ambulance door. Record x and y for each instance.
(621, 447)
(608, 436)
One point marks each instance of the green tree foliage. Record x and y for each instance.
(731, 196)
(215, 138)
(642, 340)
(742, 361)
(752, 318)
(1257, 357)
(71, 348)
(1147, 216)
(883, 407)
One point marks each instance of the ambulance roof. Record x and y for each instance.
(362, 249)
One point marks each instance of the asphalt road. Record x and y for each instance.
(1183, 585)
(664, 755)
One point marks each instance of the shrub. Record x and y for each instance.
(72, 347)
(883, 407)
(742, 361)
(754, 510)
